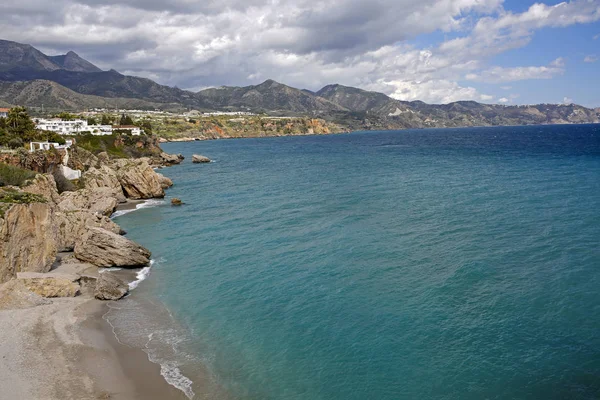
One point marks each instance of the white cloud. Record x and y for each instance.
(590, 59)
(503, 100)
(305, 43)
(596, 36)
(500, 74)
(567, 100)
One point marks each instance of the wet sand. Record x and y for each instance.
(65, 350)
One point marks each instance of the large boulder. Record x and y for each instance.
(104, 177)
(138, 179)
(110, 287)
(107, 249)
(164, 181)
(170, 159)
(71, 226)
(15, 295)
(50, 285)
(99, 200)
(197, 159)
(45, 186)
(28, 240)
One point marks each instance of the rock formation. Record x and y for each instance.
(176, 202)
(196, 159)
(138, 179)
(72, 226)
(170, 159)
(107, 249)
(27, 240)
(103, 177)
(15, 295)
(99, 200)
(110, 287)
(50, 285)
(165, 182)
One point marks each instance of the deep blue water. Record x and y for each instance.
(420, 264)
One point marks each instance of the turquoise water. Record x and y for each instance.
(426, 264)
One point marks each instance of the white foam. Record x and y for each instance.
(101, 270)
(141, 276)
(146, 204)
(174, 377)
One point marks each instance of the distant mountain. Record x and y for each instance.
(23, 57)
(268, 96)
(29, 77)
(53, 96)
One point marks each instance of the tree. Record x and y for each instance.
(106, 120)
(65, 116)
(146, 125)
(19, 123)
(92, 121)
(125, 120)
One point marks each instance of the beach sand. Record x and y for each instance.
(65, 350)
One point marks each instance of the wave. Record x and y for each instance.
(146, 204)
(141, 276)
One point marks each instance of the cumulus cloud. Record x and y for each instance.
(567, 100)
(304, 43)
(590, 59)
(500, 74)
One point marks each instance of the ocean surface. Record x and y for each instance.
(418, 264)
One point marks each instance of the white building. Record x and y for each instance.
(132, 129)
(78, 126)
(4, 112)
(33, 146)
(62, 127)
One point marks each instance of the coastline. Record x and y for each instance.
(66, 350)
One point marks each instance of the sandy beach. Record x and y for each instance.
(65, 350)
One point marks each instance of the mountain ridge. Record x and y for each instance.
(79, 83)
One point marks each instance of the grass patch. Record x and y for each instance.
(14, 176)
(97, 144)
(9, 196)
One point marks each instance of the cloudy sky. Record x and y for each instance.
(438, 51)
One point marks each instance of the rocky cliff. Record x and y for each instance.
(37, 222)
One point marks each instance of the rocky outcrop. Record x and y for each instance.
(45, 186)
(82, 159)
(50, 285)
(14, 295)
(110, 287)
(28, 240)
(176, 202)
(107, 249)
(103, 177)
(71, 226)
(197, 159)
(170, 159)
(165, 182)
(99, 200)
(138, 179)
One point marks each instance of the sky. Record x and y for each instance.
(437, 51)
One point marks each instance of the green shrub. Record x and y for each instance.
(14, 176)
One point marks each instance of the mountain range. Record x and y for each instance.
(68, 82)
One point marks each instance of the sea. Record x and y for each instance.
(414, 264)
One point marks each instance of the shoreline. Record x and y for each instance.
(66, 350)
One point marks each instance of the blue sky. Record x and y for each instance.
(437, 51)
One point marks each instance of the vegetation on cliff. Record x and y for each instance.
(14, 176)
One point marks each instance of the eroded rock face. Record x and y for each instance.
(139, 180)
(110, 287)
(28, 240)
(197, 159)
(104, 177)
(50, 285)
(71, 226)
(165, 182)
(99, 200)
(107, 249)
(45, 186)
